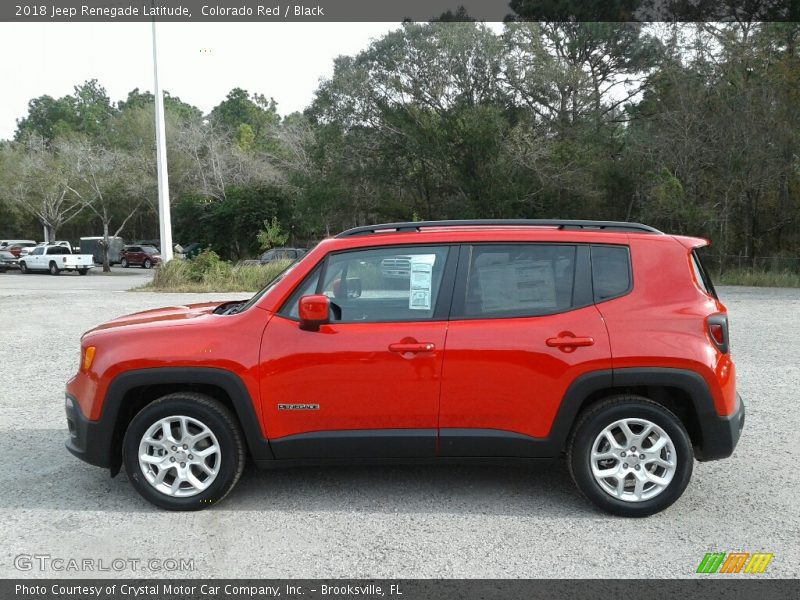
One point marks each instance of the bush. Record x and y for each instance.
(207, 272)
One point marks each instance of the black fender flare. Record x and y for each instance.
(112, 430)
(715, 431)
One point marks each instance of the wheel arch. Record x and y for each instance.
(683, 392)
(131, 391)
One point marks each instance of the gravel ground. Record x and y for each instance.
(381, 522)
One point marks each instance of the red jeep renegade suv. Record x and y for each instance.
(486, 341)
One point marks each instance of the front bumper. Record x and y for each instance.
(720, 434)
(88, 440)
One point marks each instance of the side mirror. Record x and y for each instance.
(313, 311)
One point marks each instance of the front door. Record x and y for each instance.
(366, 384)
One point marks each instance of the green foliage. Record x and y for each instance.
(230, 225)
(207, 266)
(272, 236)
(691, 127)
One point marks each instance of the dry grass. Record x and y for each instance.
(759, 278)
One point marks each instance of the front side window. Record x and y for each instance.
(520, 280)
(37, 251)
(378, 284)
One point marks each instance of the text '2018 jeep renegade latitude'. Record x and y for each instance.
(497, 341)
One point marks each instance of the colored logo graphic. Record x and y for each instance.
(734, 562)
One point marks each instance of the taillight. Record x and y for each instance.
(718, 332)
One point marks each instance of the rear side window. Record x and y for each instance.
(611, 272)
(520, 280)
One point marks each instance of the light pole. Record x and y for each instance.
(164, 219)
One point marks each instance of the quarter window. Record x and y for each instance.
(611, 271)
(520, 280)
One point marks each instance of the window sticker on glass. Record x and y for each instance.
(419, 297)
(519, 285)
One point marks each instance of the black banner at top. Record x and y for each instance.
(398, 10)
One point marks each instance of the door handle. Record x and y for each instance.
(414, 347)
(568, 341)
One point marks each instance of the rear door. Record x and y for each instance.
(523, 327)
(366, 384)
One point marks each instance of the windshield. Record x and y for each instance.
(269, 286)
(150, 249)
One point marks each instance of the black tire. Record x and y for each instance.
(147, 263)
(124, 263)
(213, 415)
(83, 271)
(23, 268)
(589, 426)
(54, 270)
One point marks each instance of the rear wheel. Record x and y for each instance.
(184, 451)
(54, 270)
(630, 456)
(124, 263)
(83, 271)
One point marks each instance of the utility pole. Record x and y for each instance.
(164, 219)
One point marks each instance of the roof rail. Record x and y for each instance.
(416, 226)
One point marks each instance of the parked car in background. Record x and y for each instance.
(8, 261)
(141, 256)
(64, 243)
(55, 259)
(6, 244)
(282, 254)
(17, 249)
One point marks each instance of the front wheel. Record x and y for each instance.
(630, 456)
(54, 270)
(23, 268)
(184, 451)
(147, 263)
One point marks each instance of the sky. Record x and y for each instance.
(199, 62)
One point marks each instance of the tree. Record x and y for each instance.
(255, 111)
(107, 183)
(87, 111)
(40, 186)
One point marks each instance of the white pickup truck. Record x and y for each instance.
(55, 259)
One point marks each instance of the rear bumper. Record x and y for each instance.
(720, 434)
(88, 440)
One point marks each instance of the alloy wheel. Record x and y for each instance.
(179, 456)
(633, 460)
